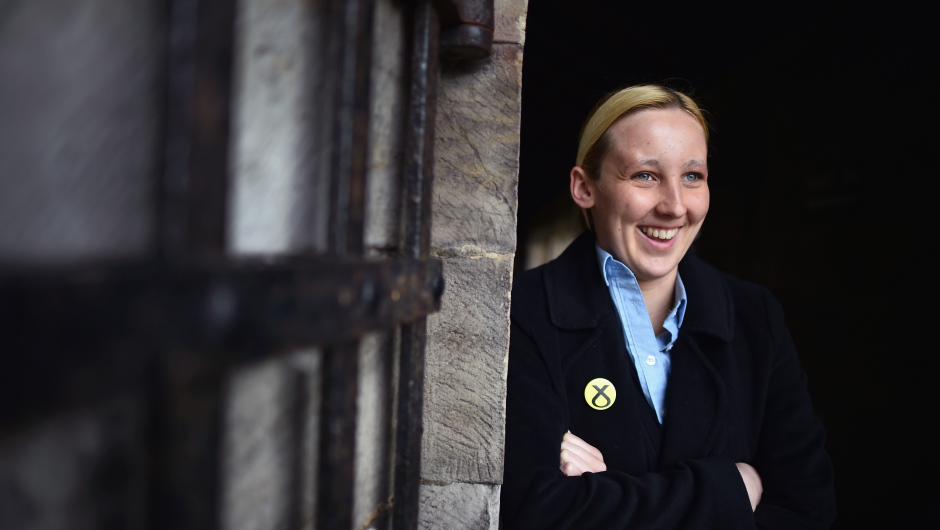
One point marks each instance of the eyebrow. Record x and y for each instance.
(655, 162)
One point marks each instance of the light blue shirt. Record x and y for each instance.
(650, 352)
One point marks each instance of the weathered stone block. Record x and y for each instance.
(477, 152)
(465, 378)
(459, 506)
(510, 21)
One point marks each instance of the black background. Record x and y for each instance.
(823, 159)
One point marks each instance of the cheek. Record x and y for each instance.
(635, 207)
(622, 207)
(698, 207)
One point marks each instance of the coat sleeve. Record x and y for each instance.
(791, 458)
(701, 494)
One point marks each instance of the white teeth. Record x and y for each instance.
(660, 234)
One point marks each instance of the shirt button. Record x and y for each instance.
(651, 360)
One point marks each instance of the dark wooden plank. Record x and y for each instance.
(418, 171)
(199, 90)
(183, 382)
(349, 165)
(187, 409)
(300, 404)
(418, 162)
(410, 428)
(338, 436)
(351, 126)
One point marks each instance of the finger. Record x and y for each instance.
(591, 465)
(585, 461)
(584, 446)
(571, 470)
(581, 453)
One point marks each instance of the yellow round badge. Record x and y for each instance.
(600, 394)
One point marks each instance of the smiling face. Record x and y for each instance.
(651, 197)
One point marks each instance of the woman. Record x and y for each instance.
(647, 389)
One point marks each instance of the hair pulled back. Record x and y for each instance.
(595, 142)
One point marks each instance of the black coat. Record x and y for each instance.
(736, 393)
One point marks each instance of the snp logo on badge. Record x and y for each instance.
(600, 394)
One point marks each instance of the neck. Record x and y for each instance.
(659, 295)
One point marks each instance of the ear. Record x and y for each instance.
(582, 188)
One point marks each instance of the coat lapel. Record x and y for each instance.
(577, 296)
(695, 402)
(592, 345)
(696, 399)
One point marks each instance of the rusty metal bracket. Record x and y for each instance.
(466, 29)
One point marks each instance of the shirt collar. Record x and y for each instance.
(676, 316)
(602, 257)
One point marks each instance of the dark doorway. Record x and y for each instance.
(821, 161)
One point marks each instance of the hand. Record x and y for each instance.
(578, 456)
(752, 482)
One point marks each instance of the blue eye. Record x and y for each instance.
(693, 177)
(643, 176)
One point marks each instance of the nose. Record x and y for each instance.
(672, 201)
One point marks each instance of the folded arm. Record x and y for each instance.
(579, 457)
(699, 494)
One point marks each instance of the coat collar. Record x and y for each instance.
(579, 299)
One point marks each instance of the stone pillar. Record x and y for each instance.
(474, 233)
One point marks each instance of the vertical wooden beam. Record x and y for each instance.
(349, 167)
(186, 399)
(418, 167)
(299, 413)
(186, 417)
(419, 173)
(351, 127)
(199, 88)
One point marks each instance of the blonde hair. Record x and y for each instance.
(595, 143)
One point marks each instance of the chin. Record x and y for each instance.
(646, 276)
(655, 271)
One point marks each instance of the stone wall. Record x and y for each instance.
(474, 233)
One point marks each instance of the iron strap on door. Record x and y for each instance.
(71, 330)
